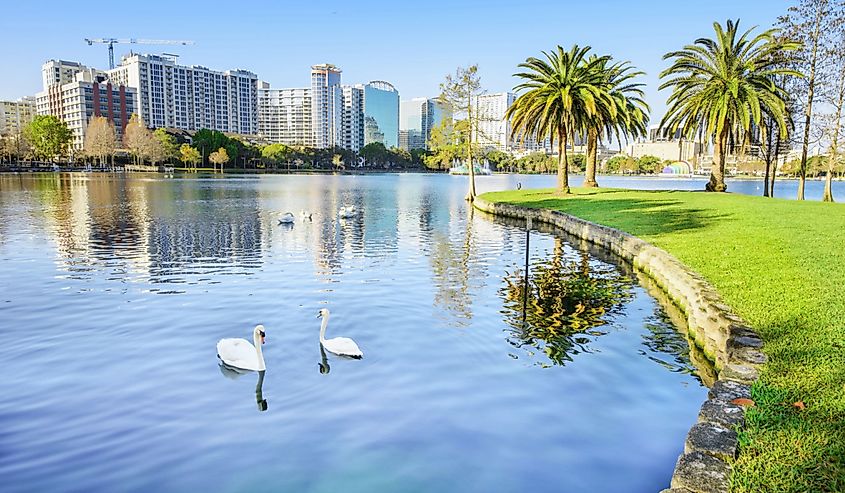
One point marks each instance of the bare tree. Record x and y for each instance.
(459, 92)
(138, 139)
(809, 23)
(100, 139)
(833, 94)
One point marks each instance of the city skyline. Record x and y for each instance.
(369, 42)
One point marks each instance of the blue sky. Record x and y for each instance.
(411, 44)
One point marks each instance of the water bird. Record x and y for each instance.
(239, 354)
(286, 218)
(347, 212)
(341, 346)
(305, 215)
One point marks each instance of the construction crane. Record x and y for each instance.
(113, 41)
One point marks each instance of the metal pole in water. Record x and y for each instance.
(525, 288)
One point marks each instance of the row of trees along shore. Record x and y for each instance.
(761, 91)
(48, 139)
(773, 90)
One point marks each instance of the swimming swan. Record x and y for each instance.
(240, 354)
(341, 346)
(347, 212)
(286, 218)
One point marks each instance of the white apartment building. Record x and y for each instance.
(90, 94)
(495, 131)
(284, 115)
(59, 72)
(15, 115)
(326, 105)
(190, 98)
(352, 125)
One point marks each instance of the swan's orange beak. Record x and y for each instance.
(262, 339)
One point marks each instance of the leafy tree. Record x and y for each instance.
(649, 164)
(444, 143)
(219, 157)
(621, 164)
(167, 148)
(458, 93)
(418, 157)
(724, 85)
(499, 160)
(536, 162)
(48, 136)
(206, 140)
(189, 155)
(628, 116)
(276, 153)
(375, 153)
(561, 93)
(577, 162)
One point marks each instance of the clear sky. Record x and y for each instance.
(410, 44)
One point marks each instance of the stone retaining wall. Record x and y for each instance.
(734, 348)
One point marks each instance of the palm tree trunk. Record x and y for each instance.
(592, 151)
(717, 172)
(562, 165)
(770, 153)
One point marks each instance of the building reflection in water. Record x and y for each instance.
(145, 228)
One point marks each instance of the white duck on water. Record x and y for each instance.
(347, 212)
(341, 346)
(240, 354)
(286, 218)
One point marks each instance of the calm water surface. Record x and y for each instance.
(115, 288)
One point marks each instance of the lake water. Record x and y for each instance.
(114, 290)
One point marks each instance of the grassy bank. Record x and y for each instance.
(781, 265)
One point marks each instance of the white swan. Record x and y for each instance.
(240, 354)
(286, 218)
(347, 212)
(305, 215)
(341, 346)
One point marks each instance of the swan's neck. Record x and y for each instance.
(323, 328)
(257, 340)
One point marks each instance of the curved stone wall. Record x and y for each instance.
(733, 346)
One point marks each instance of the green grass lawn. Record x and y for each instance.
(781, 265)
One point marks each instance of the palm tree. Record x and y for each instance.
(561, 93)
(724, 86)
(629, 118)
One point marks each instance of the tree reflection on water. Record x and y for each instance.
(567, 301)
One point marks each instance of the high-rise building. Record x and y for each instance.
(416, 119)
(352, 127)
(90, 94)
(190, 98)
(59, 72)
(348, 116)
(15, 115)
(381, 113)
(494, 131)
(326, 105)
(284, 115)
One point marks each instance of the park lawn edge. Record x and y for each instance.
(780, 264)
